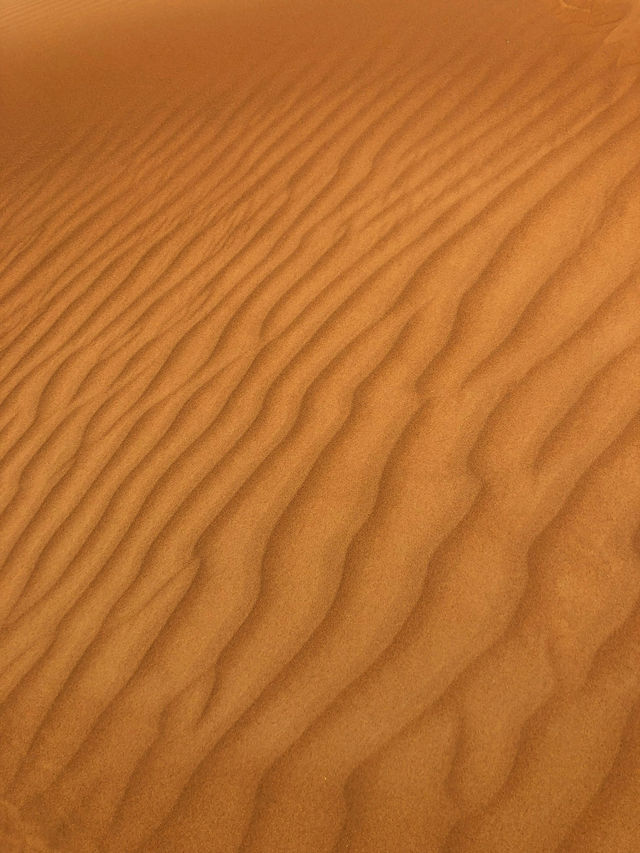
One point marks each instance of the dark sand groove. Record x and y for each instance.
(319, 427)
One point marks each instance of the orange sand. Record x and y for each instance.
(320, 426)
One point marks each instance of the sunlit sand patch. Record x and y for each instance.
(620, 20)
(626, 36)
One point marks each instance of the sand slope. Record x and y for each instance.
(320, 431)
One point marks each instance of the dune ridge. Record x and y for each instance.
(319, 436)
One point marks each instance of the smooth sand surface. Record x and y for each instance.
(320, 426)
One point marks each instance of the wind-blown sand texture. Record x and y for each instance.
(320, 427)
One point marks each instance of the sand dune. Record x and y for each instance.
(320, 427)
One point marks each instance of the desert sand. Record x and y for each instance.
(320, 426)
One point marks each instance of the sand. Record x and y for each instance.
(320, 426)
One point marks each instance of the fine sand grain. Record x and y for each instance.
(320, 426)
